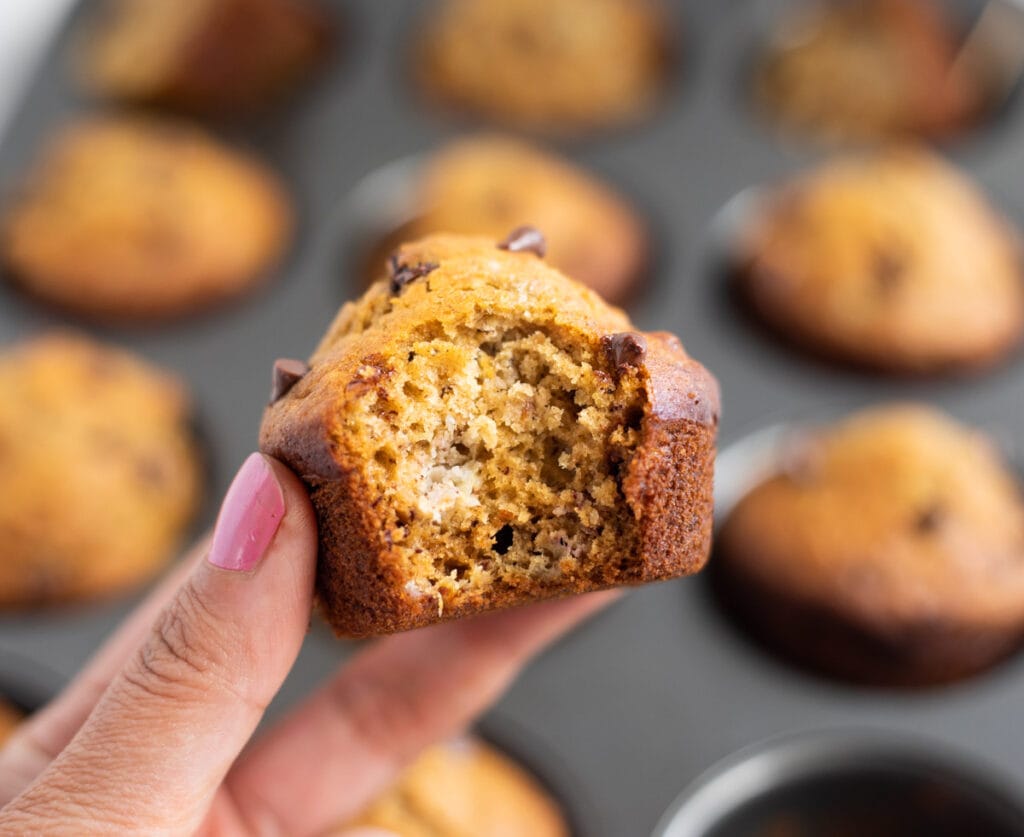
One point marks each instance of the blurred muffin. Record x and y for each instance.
(867, 70)
(133, 217)
(892, 261)
(558, 66)
(205, 55)
(10, 717)
(99, 470)
(888, 549)
(466, 789)
(488, 185)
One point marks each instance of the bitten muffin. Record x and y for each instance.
(478, 431)
(887, 549)
(556, 66)
(203, 55)
(487, 185)
(865, 70)
(465, 789)
(892, 261)
(139, 218)
(99, 470)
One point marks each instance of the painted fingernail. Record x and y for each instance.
(249, 517)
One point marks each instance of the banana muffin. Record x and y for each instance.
(127, 218)
(201, 55)
(479, 431)
(465, 789)
(487, 185)
(886, 549)
(99, 470)
(892, 261)
(555, 66)
(869, 70)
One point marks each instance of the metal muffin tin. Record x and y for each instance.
(797, 784)
(639, 702)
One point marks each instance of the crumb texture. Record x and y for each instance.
(498, 454)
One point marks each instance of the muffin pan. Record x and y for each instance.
(849, 782)
(643, 699)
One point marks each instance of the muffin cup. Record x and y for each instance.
(847, 782)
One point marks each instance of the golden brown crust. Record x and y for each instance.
(465, 788)
(892, 261)
(203, 55)
(869, 70)
(529, 63)
(141, 218)
(99, 470)
(666, 485)
(889, 549)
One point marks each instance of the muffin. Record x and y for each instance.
(128, 218)
(465, 789)
(99, 470)
(201, 55)
(487, 185)
(869, 70)
(556, 66)
(892, 261)
(479, 431)
(887, 549)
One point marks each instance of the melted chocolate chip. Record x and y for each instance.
(625, 350)
(929, 519)
(287, 373)
(525, 239)
(887, 268)
(403, 274)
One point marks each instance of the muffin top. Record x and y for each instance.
(861, 70)
(557, 66)
(99, 471)
(895, 516)
(126, 217)
(892, 260)
(466, 789)
(488, 185)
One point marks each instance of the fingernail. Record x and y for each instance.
(249, 517)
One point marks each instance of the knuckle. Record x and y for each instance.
(183, 650)
(387, 717)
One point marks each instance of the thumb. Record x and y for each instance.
(159, 742)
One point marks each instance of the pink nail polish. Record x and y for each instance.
(249, 517)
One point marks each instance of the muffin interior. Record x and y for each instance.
(498, 451)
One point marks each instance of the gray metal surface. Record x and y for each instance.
(639, 702)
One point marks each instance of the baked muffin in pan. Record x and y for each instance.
(887, 549)
(891, 260)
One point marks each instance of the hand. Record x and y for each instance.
(149, 737)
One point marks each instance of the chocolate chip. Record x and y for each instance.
(624, 350)
(888, 268)
(929, 519)
(525, 239)
(403, 274)
(287, 373)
